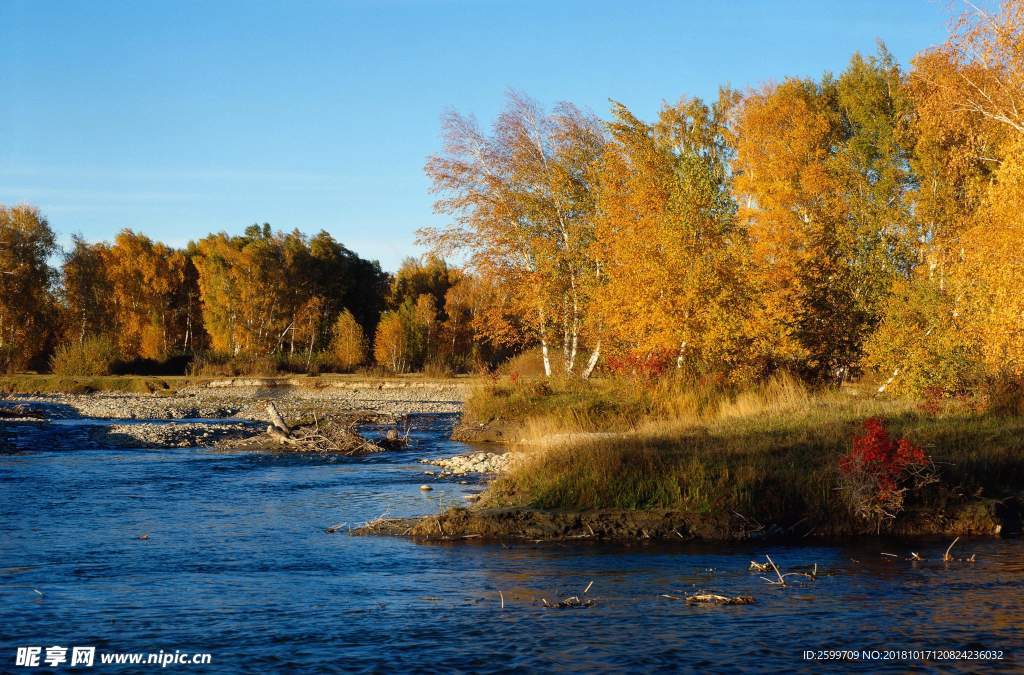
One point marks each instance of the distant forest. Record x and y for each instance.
(868, 220)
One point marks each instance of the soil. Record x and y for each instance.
(988, 517)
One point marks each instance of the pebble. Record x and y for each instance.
(477, 462)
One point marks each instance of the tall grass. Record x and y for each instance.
(767, 453)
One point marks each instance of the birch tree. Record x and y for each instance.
(523, 212)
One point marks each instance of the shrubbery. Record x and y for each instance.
(879, 471)
(96, 355)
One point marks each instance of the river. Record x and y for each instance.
(227, 553)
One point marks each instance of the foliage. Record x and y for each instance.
(821, 174)
(26, 299)
(665, 237)
(348, 342)
(523, 210)
(95, 355)
(879, 471)
(921, 342)
(391, 347)
(269, 293)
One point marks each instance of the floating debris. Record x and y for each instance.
(780, 579)
(572, 602)
(716, 599)
(328, 435)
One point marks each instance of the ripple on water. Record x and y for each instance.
(237, 563)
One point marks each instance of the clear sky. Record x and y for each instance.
(179, 118)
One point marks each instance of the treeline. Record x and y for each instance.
(865, 220)
(869, 220)
(263, 301)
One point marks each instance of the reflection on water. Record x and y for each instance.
(237, 563)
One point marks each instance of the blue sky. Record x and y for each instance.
(181, 118)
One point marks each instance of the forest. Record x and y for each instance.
(865, 222)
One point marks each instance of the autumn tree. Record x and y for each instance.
(430, 275)
(86, 291)
(390, 343)
(27, 310)
(665, 240)
(267, 293)
(822, 173)
(966, 133)
(348, 343)
(147, 281)
(523, 211)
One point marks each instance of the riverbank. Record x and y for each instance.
(627, 461)
(224, 411)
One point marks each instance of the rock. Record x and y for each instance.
(426, 488)
(478, 462)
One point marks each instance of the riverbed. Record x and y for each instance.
(229, 553)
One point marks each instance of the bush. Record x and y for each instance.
(232, 365)
(96, 355)
(878, 471)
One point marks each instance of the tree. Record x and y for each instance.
(430, 275)
(147, 281)
(390, 343)
(27, 309)
(665, 239)
(86, 291)
(969, 153)
(921, 343)
(989, 276)
(268, 293)
(822, 174)
(348, 345)
(523, 211)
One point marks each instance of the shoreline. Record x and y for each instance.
(225, 412)
(987, 518)
(233, 414)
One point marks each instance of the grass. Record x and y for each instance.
(767, 454)
(67, 384)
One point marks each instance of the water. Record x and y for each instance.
(238, 564)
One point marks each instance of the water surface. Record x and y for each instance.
(237, 563)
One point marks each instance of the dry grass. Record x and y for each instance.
(766, 454)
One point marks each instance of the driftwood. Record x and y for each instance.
(277, 420)
(330, 435)
(715, 598)
(572, 602)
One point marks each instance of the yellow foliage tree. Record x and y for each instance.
(665, 238)
(348, 344)
(26, 299)
(391, 347)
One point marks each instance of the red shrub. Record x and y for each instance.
(649, 366)
(878, 471)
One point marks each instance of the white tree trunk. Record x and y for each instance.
(679, 359)
(592, 362)
(547, 357)
(570, 363)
